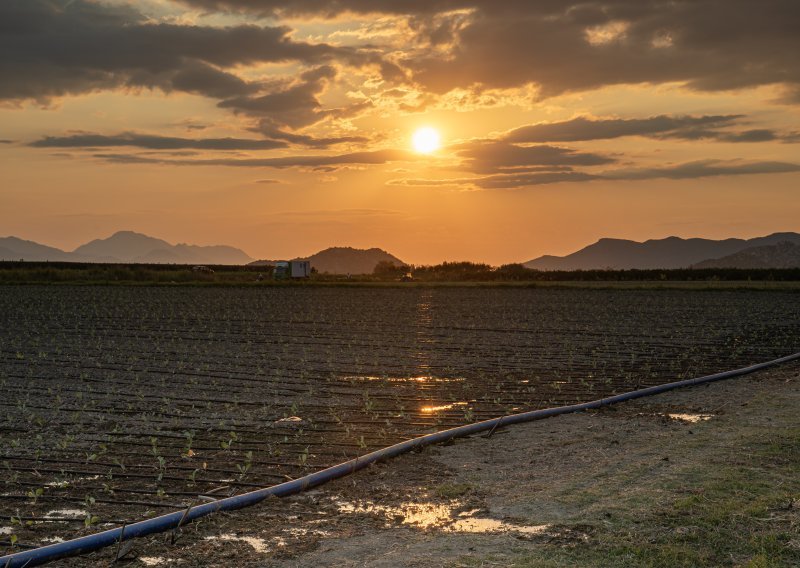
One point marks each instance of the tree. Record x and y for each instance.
(387, 270)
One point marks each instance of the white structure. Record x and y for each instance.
(292, 269)
(300, 268)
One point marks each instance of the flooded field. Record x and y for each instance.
(120, 403)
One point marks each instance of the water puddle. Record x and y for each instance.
(53, 540)
(258, 544)
(691, 418)
(6, 530)
(432, 409)
(420, 379)
(440, 517)
(477, 525)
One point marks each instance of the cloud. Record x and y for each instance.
(498, 156)
(709, 127)
(71, 46)
(703, 168)
(295, 106)
(270, 130)
(155, 142)
(500, 181)
(577, 45)
(329, 8)
(327, 163)
(583, 128)
(709, 45)
(689, 170)
(58, 47)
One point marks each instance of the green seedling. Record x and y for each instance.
(245, 467)
(34, 494)
(226, 444)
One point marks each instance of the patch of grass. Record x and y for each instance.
(453, 490)
(740, 507)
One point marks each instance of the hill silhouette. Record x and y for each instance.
(124, 247)
(344, 260)
(783, 255)
(671, 252)
(13, 248)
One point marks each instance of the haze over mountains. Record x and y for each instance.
(124, 247)
(672, 252)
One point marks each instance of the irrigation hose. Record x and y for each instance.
(171, 521)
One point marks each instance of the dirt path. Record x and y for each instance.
(703, 476)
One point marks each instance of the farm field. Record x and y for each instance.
(120, 403)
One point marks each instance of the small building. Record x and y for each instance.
(300, 268)
(292, 269)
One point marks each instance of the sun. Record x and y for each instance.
(426, 140)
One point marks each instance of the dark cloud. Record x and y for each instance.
(57, 47)
(309, 162)
(155, 142)
(572, 46)
(270, 130)
(690, 170)
(703, 168)
(752, 135)
(497, 156)
(329, 8)
(680, 127)
(576, 45)
(296, 105)
(582, 128)
(501, 181)
(67, 46)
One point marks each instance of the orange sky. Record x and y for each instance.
(283, 130)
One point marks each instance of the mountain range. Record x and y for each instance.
(785, 254)
(671, 252)
(129, 247)
(124, 247)
(778, 250)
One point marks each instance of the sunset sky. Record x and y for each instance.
(286, 127)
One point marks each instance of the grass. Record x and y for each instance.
(741, 507)
(453, 490)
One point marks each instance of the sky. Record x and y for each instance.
(284, 127)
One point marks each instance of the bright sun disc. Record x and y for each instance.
(425, 140)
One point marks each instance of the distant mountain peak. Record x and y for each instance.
(666, 253)
(126, 247)
(785, 254)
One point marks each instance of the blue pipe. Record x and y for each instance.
(86, 544)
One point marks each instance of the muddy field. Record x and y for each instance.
(121, 403)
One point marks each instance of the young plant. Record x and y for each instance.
(248, 463)
(34, 494)
(226, 445)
